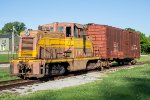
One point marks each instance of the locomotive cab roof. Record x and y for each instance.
(69, 29)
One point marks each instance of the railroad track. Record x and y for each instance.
(15, 83)
(20, 82)
(115, 68)
(4, 62)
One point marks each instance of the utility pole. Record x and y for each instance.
(13, 32)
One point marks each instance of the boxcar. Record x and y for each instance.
(113, 43)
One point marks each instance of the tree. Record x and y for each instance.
(148, 49)
(130, 29)
(0, 31)
(19, 26)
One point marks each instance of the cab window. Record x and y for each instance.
(81, 33)
(60, 29)
(51, 29)
(75, 32)
(68, 31)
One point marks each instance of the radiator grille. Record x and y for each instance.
(27, 46)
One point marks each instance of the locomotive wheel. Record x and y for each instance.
(58, 69)
(107, 64)
(61, 69)
(91, 65)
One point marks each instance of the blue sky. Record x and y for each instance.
(118, 13)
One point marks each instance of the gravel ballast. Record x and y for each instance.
(58, 84)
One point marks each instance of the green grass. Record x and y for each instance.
(6, 57)
(5, 74)
(127, 84)
(144, 58)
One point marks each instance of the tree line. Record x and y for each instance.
(20, 26)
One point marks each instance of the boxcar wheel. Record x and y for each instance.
(133, 62)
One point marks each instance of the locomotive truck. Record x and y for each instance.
(57, 48)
